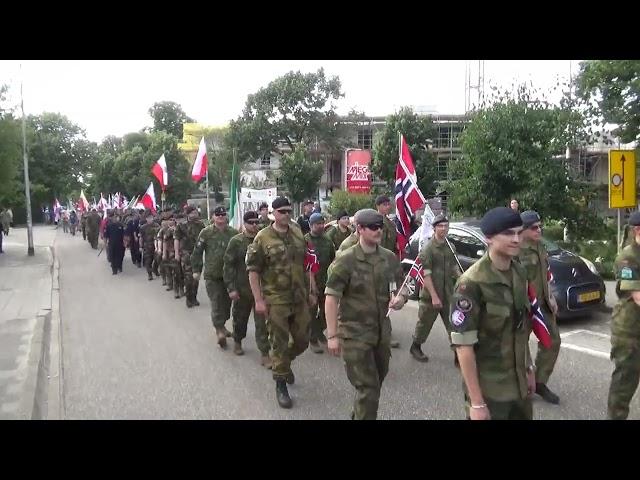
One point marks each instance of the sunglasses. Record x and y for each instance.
(374, 227)
(252, 222)
(284, 211)
(220, 214)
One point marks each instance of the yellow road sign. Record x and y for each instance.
(622, 179)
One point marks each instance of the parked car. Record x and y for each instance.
(577, 286)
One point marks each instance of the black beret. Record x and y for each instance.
(263, 205)
(280, 202)
(439, 219)
(342, 213)
(219, 211)
(498, 220)
(190, 209)
(382, 199)
(367, 216)
(250, 215)
(529, 218)
(634, 219)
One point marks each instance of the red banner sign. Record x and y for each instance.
(357, 171)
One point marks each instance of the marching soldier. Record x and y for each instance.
(186, 236)
(148, 233)
(93, 228)
(264, 220)
(114, 237)
(341, 230)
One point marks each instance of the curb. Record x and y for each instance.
(55, 377)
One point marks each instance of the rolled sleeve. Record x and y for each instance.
(464, 338)
(337, 278)
(465, 313)
(255, 257)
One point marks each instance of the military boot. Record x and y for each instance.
(189, 301)
(237, 348)
(222, 338)
(196, 303)
(315, 347)
(290, 378)
(150, 277)
(546, 394)
(282, 394)
(227, 332)
(266, 362)
(394, 343)
(416, 352)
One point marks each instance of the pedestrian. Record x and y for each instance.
(148, 233)
(65, 221)
(440, 274)
(625, 326)
(280, 286)
(212, 242)
(362, 285)
(514, 205)
(339, 232)
(535, 259)
(73, 222)
(93, 228)
(303, 220)
(133, 232)
(2, 234)
(325, 252)
(490, 325)
(83, 224)
(263, 211)
(5, 220)
(186, 236)
(114, 237)
(236, 280)
(169, 253)
(317, 208)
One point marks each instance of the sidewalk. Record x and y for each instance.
(25, 323)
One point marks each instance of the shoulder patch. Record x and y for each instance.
(626, 273)
(457, 317)
(464, 304)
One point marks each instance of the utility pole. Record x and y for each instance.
(27, 187)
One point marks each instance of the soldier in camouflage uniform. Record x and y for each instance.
(264, 220)
(148, 233)
(339, 232)
(93, 228)
(389, 234)
(83, 224)
(213, 241)
(164, 224)
(363, 280)
(490, 325)
(348, 242)
(169, 253)
(625, 326)
(186, 236)
(440, 274)
(236, 279)
(534, 258)
(178, 277)
(280, 287)
(325, 252)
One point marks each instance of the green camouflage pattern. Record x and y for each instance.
(148, 233)
(389, 234)
(535, 259)
(349, 242)
(241, 312)
(627, 270)
(325, 251)
(187, 234)
(337, 236)
(285, 322)
(220, 302)
(625, 353)
(93, 228)
(213, 243)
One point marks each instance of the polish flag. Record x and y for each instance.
(149, 199)
(199, 169)
(83, 202)
(160, 171)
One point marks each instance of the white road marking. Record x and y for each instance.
(587, 350)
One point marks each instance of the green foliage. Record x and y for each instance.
(418, 132)
(10, 156)
(612, 89)
(293, 109)
(168, 117)
(351, 202)
(300, 174)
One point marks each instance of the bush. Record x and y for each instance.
(601, 252)
(351, 202)
(554, 230)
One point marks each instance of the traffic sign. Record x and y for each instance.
(622, 179)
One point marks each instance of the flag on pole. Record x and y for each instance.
(149, 199)
(160, 171)
(84, 204)
(235, 219)
(200, 165)
(417, 271)
(409, 198)
(539, 324)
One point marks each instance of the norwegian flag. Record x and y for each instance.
(549, 274)
(540, 328)
(409, 198)
(417, 271)
(311, 262)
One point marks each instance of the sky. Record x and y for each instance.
(112, 97)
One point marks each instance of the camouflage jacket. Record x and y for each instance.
(235, 271)
(148, 233)
(489, 310)
(213, 243)
(337, 236)
(626, 314)
(349, 242)
(389, 234)
(167, 242)
(535, 259)
(187, 234)
(279, 259)
(262, 223)
(326, 253)
(438, 262)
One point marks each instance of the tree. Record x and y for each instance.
(351, 202)
(612, 88)
(300, 174)
(419, 131)
(293, 109)
(168, 117)
(10, 155)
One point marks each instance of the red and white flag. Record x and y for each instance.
(84, 204)
(160, 171)
(149, 199)
(409, 198)
(199, 169)
(538, 322)
(311, 261)
(417, 271)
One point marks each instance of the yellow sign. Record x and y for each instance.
(622, 179)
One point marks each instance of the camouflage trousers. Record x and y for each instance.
(625, 353)
(220, 302)
(149, 258)
(512, 410)
(546, 357)
(366, 367)
(241, 311)
(178, 278)
(427, 316)
(93, 239)
(167, 268)
(190, 285)
(318, 321)
(284, 321)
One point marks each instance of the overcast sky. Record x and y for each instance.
(112, 97)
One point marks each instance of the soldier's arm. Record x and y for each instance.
(255, 263)
(229, 266)
(176, 247)
(196, 256)
(426, 257)
(338, 278)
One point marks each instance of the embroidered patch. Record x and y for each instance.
(457, 318)
(463, 304)
(626, 273)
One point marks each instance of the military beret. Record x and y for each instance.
(439, 219)
(341, 214)
(498, 220)
(263, 205)
(529, 218)
(368, 216)
(634, 219)
(219, 211)
(190, 209)
(250, 215)
(382, 199)
(316, 218)
(181, 216)
(280, 202)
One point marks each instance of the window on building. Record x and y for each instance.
(444, 136)
(365, 137)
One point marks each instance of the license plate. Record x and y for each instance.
(587, 297)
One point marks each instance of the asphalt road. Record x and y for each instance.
(131, 351)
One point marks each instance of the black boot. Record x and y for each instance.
(290, 378)
(546, 394)
(150, 277)
(282, 394)
(416, 352)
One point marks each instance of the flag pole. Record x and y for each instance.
(401, 287)
(207, 173)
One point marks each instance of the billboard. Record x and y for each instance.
(357, 173)
(250, 198)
